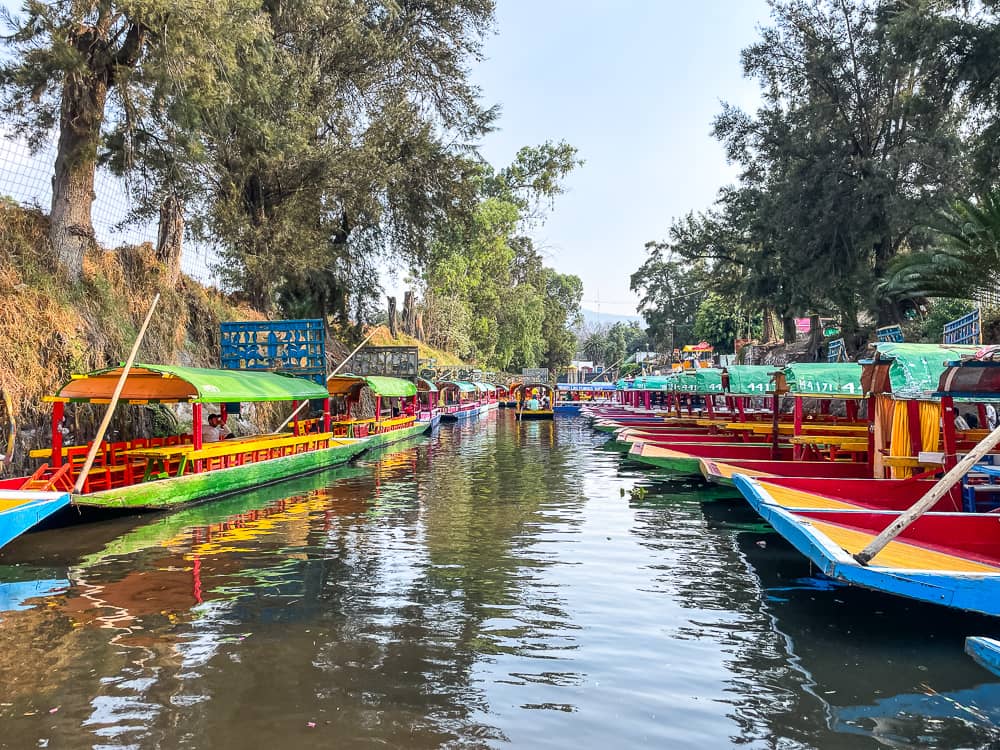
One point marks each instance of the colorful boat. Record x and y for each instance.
(161, 473)
(951, 559)
(949, 554)
(535, 392)
(570, 397)
(22, 510)
(985, 652)
(429, 403)
(459, 400)
(397, 413)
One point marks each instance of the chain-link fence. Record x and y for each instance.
(26, 178)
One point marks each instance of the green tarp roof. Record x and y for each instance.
(821, 379)
(650, 383)
(171, 383)
(915, 369)
(751, 380)
(462, 385)
(391, 387)
(484, 387)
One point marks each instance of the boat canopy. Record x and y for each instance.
(341, 385)
(909, 371)
(701, 381)
(461, 385)
(197, 385)
(425, 385)
(821, 379)
(971, 380)
(751, 380)
(586, 387)
(651, 383)
(528, 387)
(484, 387)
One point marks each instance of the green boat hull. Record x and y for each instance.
(177, 492)
(675, 465)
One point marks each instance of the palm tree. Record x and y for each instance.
(964, 260)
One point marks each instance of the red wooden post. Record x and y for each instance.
(872, 411)
(58, 410)
(196, 435)
(378, 412)
(983, 421)
(741, 407)
(709, 406)
(797, 426)
(295, 420)
(852, 410)
(326, 414)
(646, 395)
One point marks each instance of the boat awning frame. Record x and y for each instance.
(148, 383)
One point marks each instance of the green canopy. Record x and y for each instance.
(915, 369)
(462, 385)
(391, 387)
(170, 384)
(484, 387)
(651, 383)
(751, 380)
(824, 380)
(703, 381)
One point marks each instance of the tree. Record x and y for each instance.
(851, 147)
(595, 346)
(963, 258)
(671, 291)
(520, 312)
(720, 323)
(68, 57)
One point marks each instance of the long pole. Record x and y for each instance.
(347, 359)
(935, 493)
(98, 439)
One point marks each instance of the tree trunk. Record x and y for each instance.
(392, 316)
(409, 313)
(790, 331)
(81, 114)
(170, 239)
(418, 327)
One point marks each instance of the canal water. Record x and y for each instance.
(497, 585)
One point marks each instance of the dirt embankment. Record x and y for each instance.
(50, 328)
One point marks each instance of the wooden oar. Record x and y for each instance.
(99, 438)
(347, 359)
(932, 495)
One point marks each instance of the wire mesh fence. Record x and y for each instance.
(26, 178)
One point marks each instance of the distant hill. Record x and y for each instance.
(592, 317)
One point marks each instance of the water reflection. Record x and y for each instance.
(495, 584)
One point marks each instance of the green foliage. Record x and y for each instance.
(720, 323)
(857, 139)
(670, 292)
(506, 309)
(963, 258)
(942, 311)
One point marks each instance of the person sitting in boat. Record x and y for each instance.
(533, 402)
(545, 401)
(215, 431)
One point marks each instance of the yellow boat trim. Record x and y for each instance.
(11, 504)
(726, 471)
(899, 554)
(789, 498)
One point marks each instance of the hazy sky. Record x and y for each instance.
(634, 85)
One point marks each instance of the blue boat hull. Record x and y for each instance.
(566, 409)
(38, 506)
(972, 592)
(985, 652)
